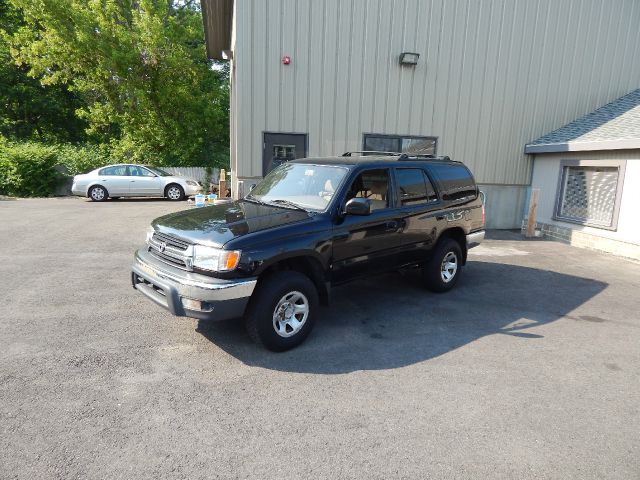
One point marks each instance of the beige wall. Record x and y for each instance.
(492, 74)
(546, 173)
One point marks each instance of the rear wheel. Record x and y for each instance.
(282, 311)
(98, 193)
(442, 271)
(174, 192)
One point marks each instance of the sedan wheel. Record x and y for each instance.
(175, 192)
(98, 194)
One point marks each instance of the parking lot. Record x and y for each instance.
(530, 368)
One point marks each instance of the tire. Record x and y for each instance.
(279, 292)
(174, 192)
(442, 271)
(98, 193)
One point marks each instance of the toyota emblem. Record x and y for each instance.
(162, 247)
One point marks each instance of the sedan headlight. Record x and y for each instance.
(192, 183)
(150, 232)
(215, 259)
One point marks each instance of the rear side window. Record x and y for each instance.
(455, 180)
(414, 186)
(118, 170)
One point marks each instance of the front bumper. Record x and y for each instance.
(168, 286)
(474, 239)
(191, 190)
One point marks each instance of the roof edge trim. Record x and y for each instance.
(617, 144)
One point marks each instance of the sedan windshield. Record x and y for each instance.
(300, 185)
(157, 171)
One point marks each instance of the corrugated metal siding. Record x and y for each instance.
(492, 74)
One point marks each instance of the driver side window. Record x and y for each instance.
(136, 171)
(374, 185)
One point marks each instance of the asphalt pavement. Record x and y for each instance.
(529, 369)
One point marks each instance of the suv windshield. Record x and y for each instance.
(307, 186)
(157, 171)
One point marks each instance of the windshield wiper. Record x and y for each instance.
(286, 203)
(252, 199)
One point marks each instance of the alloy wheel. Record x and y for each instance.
(290, 314)
(97, 194)
(449, 267)
(174, 193)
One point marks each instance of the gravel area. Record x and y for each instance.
(529, 369)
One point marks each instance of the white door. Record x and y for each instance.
(144, 183)
(116, 180)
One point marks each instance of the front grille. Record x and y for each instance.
(172, 250)
(171, 240)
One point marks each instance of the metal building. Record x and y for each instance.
(472, 79)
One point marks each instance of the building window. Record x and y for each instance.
(400, 143)
(589, 193)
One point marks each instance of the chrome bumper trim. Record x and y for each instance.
(474, 239)
(246, 285)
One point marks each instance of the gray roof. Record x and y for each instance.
(614, 126)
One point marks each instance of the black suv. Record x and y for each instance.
(310, 224)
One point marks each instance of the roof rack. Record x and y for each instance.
(406, 156)
(372, 152)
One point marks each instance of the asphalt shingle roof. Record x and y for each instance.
(613, 126)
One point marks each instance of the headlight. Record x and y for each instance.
(215, 259)
(192, 183)
(150, 232)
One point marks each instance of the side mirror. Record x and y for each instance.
(358, 206)
(253, 185)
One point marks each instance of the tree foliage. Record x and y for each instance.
(140, 69)
(28, 109)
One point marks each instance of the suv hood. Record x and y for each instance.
(216, 225)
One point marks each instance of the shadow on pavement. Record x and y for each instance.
(391, 321)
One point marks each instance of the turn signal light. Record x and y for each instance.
(232, 260)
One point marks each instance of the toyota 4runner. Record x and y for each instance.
(273, 256)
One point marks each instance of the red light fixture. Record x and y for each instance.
(286, 60)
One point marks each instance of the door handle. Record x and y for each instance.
(132, 181)
(391, 226)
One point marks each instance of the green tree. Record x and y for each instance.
(28, 109)
(140, 67)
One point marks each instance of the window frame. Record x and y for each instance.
(442, 191)
(392, 196)
(141, 167)
(426, 176)
(564, 164)
(126, 171)
(401, 137)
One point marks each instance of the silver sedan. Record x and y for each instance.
(126, 180)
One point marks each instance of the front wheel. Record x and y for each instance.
(174, 192)
(443, 270)
(282, 311)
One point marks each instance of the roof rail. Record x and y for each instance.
(373, 152)
(406, 156)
